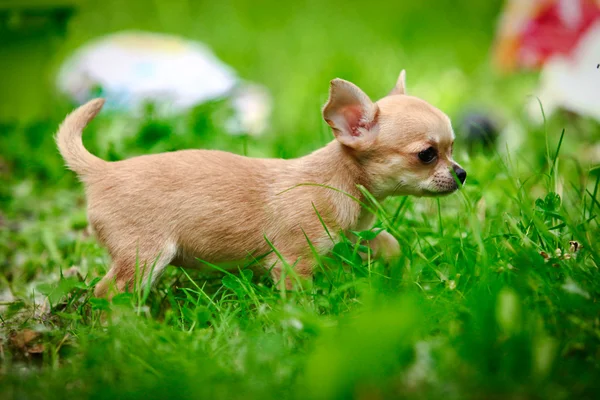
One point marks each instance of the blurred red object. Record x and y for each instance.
(532, 31)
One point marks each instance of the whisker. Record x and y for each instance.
(396, 188)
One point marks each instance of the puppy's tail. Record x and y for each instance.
(70, 145)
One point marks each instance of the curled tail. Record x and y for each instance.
(68, 139)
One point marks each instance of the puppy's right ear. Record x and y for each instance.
(351, 114)
(400, 87)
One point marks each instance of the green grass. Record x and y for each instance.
(471, 309)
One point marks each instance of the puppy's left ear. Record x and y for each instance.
(351, 114)
(400, 87)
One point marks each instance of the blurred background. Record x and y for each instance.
(251, 77)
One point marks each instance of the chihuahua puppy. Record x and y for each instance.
(181, 207)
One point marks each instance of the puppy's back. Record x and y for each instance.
(201, 199)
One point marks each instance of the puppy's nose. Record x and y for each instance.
(460, 173)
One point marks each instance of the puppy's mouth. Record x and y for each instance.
(437, 189)
(438, 193)
(441, 191)
(443, 186)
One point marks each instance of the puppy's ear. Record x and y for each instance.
(400, 87)
(351, 114)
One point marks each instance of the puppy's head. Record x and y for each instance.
(403, 143)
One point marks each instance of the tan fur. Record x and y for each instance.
(175, 208)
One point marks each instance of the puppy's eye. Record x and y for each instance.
(428, 155)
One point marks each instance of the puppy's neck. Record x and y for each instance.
(336, 166)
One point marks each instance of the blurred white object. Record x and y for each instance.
(132, 68)
(252, 106)
(571, 83)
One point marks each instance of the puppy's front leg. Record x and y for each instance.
(302, 272)
(384, 245)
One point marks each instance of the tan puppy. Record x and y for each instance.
(175, 208)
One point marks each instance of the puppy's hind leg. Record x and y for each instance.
(135, 269)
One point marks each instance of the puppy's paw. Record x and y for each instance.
(385, 245)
